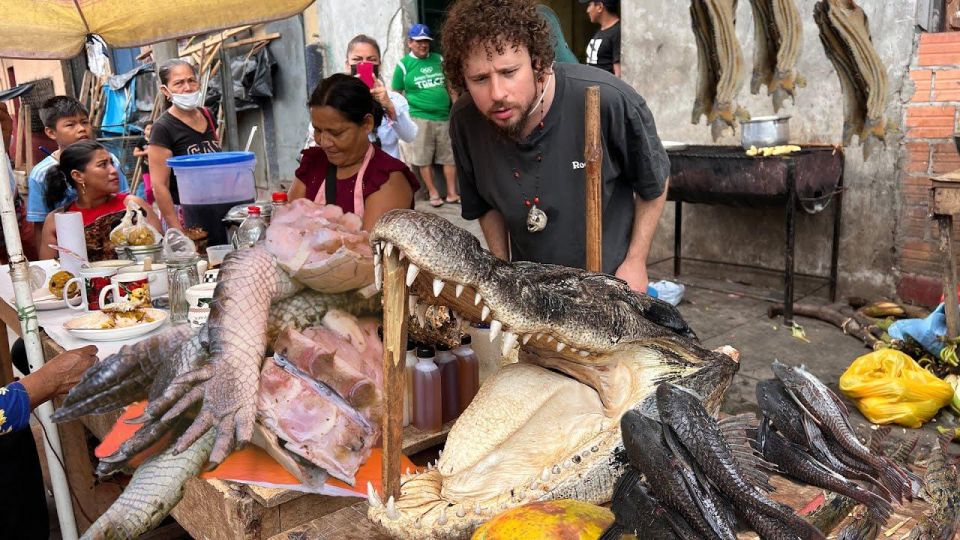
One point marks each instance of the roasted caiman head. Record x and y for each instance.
(547, 427)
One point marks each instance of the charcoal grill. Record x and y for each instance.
(810, 180)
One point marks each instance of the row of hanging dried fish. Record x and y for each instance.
(778, 31)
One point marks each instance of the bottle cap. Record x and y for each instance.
(425, 351)
(443, 347)
(466, 339)
(253, 210)
(279, 197)
(411, 345)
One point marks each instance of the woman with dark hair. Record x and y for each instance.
(87, 167)
(184, 128)
(345, 168)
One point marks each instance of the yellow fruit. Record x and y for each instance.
(57, 282)
(566, 519)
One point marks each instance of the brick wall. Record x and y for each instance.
(931, 119)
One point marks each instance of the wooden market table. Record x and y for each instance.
(944, 204)
(210, 509)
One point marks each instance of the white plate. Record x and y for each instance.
(117, 334)
(673, 145)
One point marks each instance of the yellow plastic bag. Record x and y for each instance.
(889, 387)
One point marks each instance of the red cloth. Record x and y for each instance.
(313, 171)
(92, 214)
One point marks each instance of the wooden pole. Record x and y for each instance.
(394, 372)
(945, 224)
(27, 138)
(593, 156)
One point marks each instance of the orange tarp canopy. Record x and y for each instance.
(57, 29)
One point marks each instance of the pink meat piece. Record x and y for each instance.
(314, 423)
(304, 233)
(353, 370)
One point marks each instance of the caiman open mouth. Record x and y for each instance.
(589, 350)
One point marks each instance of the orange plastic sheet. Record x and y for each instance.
(57, 29)
(252, 465)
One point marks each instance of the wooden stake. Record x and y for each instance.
(593, 156)
(945, 224)
(394, 368)
(27, 138)
(18, 140)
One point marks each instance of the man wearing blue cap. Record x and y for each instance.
(603, 51)
(419, 77)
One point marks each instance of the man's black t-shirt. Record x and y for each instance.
(499, 173)
(171, 133)
(603, 51)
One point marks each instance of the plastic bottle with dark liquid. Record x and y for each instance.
(468, 367)
(411, 361)
(427, 393)
(449, 383)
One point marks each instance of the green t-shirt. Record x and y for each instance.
(422, 82)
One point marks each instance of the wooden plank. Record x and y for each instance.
(6, 361)
(350, 522)
(945, 224)
(27, 137)
(251, 40)
(394, 372)
(220, 36)
(945, 200)
(593, 155)
(18, 140)
(217, 510)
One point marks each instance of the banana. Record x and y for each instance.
(954, 381)
(883, 309)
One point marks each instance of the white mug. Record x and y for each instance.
(199, 298)
(127, 285)
(157, 276)
(90, 281)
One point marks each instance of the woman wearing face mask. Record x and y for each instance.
(87, 167)
(345, 168)
(185, 128)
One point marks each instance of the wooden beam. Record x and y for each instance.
(394, 372)
(945, 224)
(220, 36)
(251, 40)
(593, 155)
(18, 140)
(27, 138)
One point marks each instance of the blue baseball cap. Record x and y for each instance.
(418, 32)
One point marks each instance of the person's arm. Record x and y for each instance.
(646, 215)
(405, 127)
(494, 229)
(395, 193)
(616, 68)
(152, 217)
(160, 181)
(297, 191)
(47, 236)
(58, 375)
(379, 93)
(398, 74)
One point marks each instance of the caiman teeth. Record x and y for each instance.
(389, 249)
(509, 340)
(413, 303)
(422, 314)
(556, 470)
(545, 475)
(442, 520)
(478, 510)
(584, 354)
(412, 272)
(378, 275)
(549, 338)
(484, 313)
(372, 498)
(495, 327)
(402, 255)
(392, 509)
(459, 290)
(560, 346)
(461, 512)
(477, 299)
(377, 258)
(437, 286)
(526, 338)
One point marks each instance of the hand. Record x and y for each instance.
(379, 93)
(58, 375)
(634, 273)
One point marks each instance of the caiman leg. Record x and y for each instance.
(250, 280)
(307, 308)
(122, 378)
(154, 490)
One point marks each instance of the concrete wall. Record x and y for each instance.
(660, 61)
(384, 20)
(285, 120)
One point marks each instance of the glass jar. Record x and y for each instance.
(182, 273)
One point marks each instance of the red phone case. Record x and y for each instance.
(365, 72)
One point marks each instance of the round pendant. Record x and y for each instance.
(536, 219)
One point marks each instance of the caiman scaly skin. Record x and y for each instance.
(250, 281)
(548, 427)
(307, 308)
(156, 487)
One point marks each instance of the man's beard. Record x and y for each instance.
(512, 131)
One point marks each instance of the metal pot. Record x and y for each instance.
(765, 131)
(140, 253)
(238, 213)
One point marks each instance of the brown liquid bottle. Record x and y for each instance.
(449, 383)
(427, 407)
(468, 376)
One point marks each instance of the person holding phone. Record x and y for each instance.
(363, 60)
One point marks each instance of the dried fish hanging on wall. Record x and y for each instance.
(845, 34)
(778, 33)
(721, 69)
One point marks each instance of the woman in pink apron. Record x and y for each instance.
(345, 168)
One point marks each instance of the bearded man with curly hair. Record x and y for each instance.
(518, 139)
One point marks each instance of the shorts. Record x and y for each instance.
(432, 144)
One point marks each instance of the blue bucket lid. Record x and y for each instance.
(210, 160)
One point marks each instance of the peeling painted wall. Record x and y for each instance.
(660, 60)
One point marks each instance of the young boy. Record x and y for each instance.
(66, 121)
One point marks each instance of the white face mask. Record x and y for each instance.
(188, 101)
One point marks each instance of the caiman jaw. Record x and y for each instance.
(547, 427)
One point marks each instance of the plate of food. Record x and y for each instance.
(116, 322)
(50, 295)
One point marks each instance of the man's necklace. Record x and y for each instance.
(536, 218)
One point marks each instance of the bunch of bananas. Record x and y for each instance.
(768, 151)
(883, 309)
